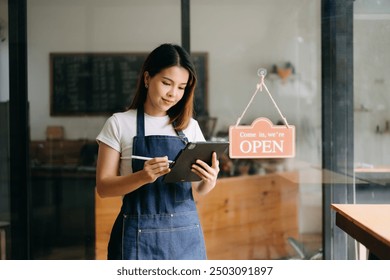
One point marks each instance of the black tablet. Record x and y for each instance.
(181, 167)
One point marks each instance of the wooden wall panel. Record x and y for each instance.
(106, 212)
(249, 217)
(246, 217)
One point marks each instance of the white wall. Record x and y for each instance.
(240, 37)
(89, 26)
(372, 88)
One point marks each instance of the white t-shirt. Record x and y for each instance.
(120, 128)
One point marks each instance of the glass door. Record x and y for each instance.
(284, 37)
(372, 102)
(69, 41)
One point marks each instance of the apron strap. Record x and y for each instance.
(180, 133)
(140, 122)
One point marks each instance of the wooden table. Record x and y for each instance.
(369, 224)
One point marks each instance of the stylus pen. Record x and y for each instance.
(147, 158)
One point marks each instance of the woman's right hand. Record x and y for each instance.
(108, 181)
(155, 168)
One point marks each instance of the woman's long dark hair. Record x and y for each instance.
(165, 56)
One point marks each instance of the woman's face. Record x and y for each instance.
(165, 89)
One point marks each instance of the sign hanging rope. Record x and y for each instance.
(262, 73)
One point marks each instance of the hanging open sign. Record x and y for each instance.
(262, 139)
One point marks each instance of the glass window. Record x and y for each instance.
(63, 147)
(282, 197)
(371, 35)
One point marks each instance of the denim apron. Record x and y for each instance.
(158, 221)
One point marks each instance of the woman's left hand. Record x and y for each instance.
(207, 173)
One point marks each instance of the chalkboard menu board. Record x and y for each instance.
(104, 83)
(200, 61)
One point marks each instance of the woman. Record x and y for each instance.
(157, 220)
